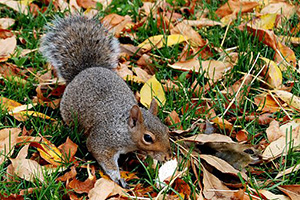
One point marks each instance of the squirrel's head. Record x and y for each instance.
(149, 134)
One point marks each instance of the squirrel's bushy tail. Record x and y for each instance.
(75, 43)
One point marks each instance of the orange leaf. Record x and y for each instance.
(236, 6)
(68, 150)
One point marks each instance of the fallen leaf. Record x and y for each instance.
(104, 188)
(127, 176)
(167, 170)
(280, 8)
(236, 6)
(173, 119)
(269, 195)
(288, 171)
(285, 57)
(27, 169)
(68, 150)
(19, 6)
(273, 131)
(266, 21)
(81, 187)
(68, 175)
(202, 22)
(8, 140)
(8, 46)
(282, 145)
(289, 98)
(141, 74)
(266, 103)
(188, 31)
(293, 191)
(222, 165)
(6, 22)
(160, 41)
(272, 73)
(23, 115)
(213, 69)
(50, 152)
(203, 138)
(223, 123)
(213, 188)
(181, 187)
(152, 89)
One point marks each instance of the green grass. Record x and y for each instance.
(31, 26)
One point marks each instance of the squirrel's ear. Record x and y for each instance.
(135, 117)
(153, 107)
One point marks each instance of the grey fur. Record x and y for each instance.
(75, 43)
(84, 53)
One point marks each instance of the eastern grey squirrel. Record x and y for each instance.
(84, 54)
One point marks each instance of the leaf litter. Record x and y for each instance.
(228, 156)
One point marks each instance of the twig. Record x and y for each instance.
(243, 82)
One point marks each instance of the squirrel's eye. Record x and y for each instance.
(249, 151)
(148, 138)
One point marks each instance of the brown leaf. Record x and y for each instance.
(27, 169)
(232, 90)
(16, 5)
(172, 119)
(273, 131)
(236, 6)
(105, 188)
(182, 188)
(213, 188)
(285, 56)
(269, 195)
(201, 22)
(68, 150)
(203, 138)
(83, 187)
(223, 123)
(281, 145)
(189, 32)
(141, 74)
(242, 136)
(266, 103)
(68, 175)
(6, 22)
(289, 98)
(280, 8)
(293, 191)
(263, 119)
(213, 69)
(8, 46)
(8, 140)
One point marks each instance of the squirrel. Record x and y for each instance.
(84, 53)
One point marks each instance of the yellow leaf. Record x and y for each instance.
(152, 89)
(22, 116)
(133, 78)
(288, 98)
(160, 40)
(267, 21)
(50, 152)
(273, 73)
(8, 103)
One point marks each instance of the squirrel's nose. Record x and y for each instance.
(168, 155)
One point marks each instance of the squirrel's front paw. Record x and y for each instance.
(123, 183)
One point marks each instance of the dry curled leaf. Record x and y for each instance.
(105, 188)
